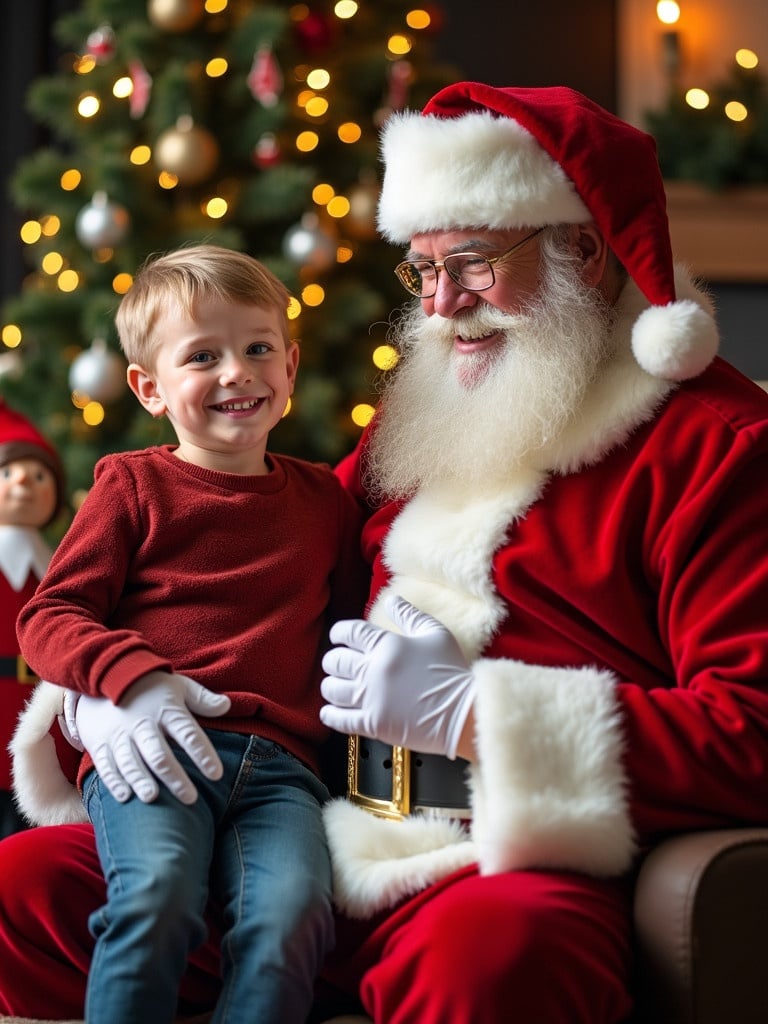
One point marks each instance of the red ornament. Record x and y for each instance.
(142, 88)
(266, 152)
(101, 44)
(314, 33)
(265, 79)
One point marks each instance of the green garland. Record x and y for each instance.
(705, 146)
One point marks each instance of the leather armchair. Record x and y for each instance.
(701, 919)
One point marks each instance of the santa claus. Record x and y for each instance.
(565, 655)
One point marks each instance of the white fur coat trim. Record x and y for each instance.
(42, 792)
(377, 862)
(549, 789)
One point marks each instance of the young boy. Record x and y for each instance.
(214, 561)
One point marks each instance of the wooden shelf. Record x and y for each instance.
(722, 236)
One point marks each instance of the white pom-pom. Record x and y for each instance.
(675, 342)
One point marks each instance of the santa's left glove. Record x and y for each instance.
(409, 689)
(128, 742)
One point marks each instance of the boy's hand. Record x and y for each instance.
(127, 741)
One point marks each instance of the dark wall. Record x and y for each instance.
(550, 42)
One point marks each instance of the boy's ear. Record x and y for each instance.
(144, 386)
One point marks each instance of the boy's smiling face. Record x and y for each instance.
(223, 379)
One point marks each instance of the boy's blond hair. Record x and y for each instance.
(185, 276)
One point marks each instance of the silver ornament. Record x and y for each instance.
(102, 224)
(307, 245)
(98, 373)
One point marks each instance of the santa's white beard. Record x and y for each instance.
(475, 417)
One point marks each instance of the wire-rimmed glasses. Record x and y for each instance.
(469, 270)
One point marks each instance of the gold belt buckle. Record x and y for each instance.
(23, 672)
(399, 806)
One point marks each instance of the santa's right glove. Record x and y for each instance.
(127, 741)
(410, 689)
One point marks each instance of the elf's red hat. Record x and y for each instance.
(479, 156)
(20, 439)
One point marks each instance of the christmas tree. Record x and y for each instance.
(247, 124)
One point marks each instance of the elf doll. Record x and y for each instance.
(31, 496)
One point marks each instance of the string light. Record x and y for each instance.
(313, 295)
(385, 357)
(362, 414)
(140, 155)
(668, 12)
(68, 281)
(399, 45)
(122, 88)
(747, 59)
(338, 206)
(307, 141)
(70, 179)
(121, 283)
(345, 9)
(93, 414)
(30, 232)
(418, 19)
(88, 105)
(736, 111)
(215, 208)
(216, 67)
(52, 263)
(349, 132)
(293, 312)
(11, 336)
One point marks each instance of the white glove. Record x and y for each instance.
(412, 690)
(127, 741)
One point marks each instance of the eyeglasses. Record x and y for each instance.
(470, 270)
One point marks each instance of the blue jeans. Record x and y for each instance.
(254, 844)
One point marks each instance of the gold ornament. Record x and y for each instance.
(175, 15)
(188, 151)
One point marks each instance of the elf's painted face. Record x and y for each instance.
(27, 493)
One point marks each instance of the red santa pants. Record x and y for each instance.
(529, 946)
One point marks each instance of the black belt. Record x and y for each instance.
(394, 782)
(14, 667)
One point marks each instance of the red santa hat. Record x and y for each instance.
(479, 156)
(20, 439)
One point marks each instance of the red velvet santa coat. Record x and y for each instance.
(613, 603)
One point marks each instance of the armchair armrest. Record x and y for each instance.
(701, 922)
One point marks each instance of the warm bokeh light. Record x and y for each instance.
(399, 45)
(79, 399)
(30, 232)
(345, 9)
(349, 132)
(52, 263)
(668, 12)
(307, 141)
(68, 281)
(121, 283)
(216, 208)
(215, 6)
(216, 67)
(140, 155)
(318, 78)
(736, 111)
(344, 254)
(122, 88)
(103, 255)
(293, 312)
(322, 193)
(11, 336)
(313, 295)
(317, 106)
(418, 19)
(362, 414)
(747, 58)
(93, 414)
(50, 225)
(385, 357)
(167, 180)
(85, 64)
(287, 409)
(88, 105)
(70, 179)
(697, 98)
(338, 206)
